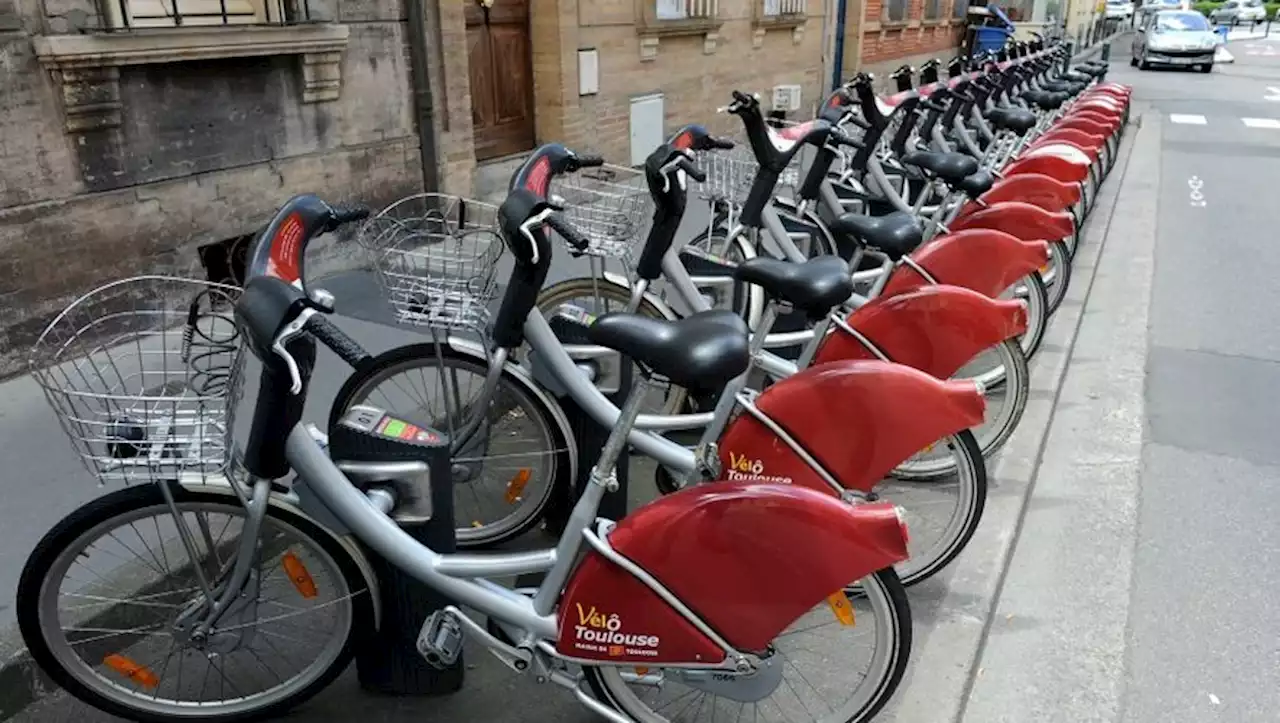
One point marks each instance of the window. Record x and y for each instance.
(184, 13)
(932, 9)
(895, 11)
(1019, 10)
(960, 9)
(1181, 21)
(684, 9)
(779, 8)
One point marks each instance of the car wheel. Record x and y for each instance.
(1206, 68)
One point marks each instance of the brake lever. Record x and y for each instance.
(286, 335)
(526, 230)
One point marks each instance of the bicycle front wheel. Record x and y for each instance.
(508, 453)
(824, 669)
(107, 600)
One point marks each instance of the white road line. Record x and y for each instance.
(1271, 123)
(1191, 120)
(1273, 93)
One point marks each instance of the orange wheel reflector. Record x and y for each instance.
(298, 575)
(516, 486)
(139, 674)
(841, 606)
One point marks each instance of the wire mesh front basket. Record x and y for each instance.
(144, 375)
(609, 205)
(731, 173)
(436, 257)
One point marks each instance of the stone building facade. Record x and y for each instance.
(610, 76)
(129, 151)
(140, 137)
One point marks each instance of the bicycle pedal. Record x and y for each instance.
(440, 640)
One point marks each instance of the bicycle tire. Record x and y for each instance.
(1016, 381)
(971, 516)
(122, 502)
(1037, 313)
(405, 357)
(1057, 291)
(608, 686)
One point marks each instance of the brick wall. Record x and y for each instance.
(206, 151)
(886, 45)
(695, 72)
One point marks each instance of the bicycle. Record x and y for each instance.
(956, 327)
(626, 612)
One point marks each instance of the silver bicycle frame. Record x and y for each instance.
(465, 578)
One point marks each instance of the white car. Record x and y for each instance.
(1238, 12)
(1119, 9)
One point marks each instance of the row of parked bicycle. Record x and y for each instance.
(923, 243)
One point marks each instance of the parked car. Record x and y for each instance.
(1119, 9)
(1179, 38)
(1148, 7)
(1236, 12)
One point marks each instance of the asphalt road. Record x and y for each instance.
(1144, 581)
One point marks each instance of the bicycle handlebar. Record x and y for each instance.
(337, 340)
(567, 232)
(343, 215)
(587, 160)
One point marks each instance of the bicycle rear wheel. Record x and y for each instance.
(506, 468)
(103, 600)
(815, 682)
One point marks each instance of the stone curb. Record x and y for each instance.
(953, 611)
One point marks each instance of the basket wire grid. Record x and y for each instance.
(609, 205)
(144, 376)
(436, 258)
(730, 173)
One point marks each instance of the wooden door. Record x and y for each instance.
(501, 77)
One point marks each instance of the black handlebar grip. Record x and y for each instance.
(570, 234)
(741, 97)
(694, 172)
(337, 340)
(840, 139)
(343, 215)
(590, 160)
(723, 144)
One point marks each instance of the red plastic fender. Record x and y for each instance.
(1089, 124)
(1107, 107)
(1094, 116)
(982, 259)
(749, 560)
(1036, 189)
(1064, 150)
(858, 419)
(1022, 220)
(1117, 93)
(1062, 169)
(1087, 143)
(936, 329)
